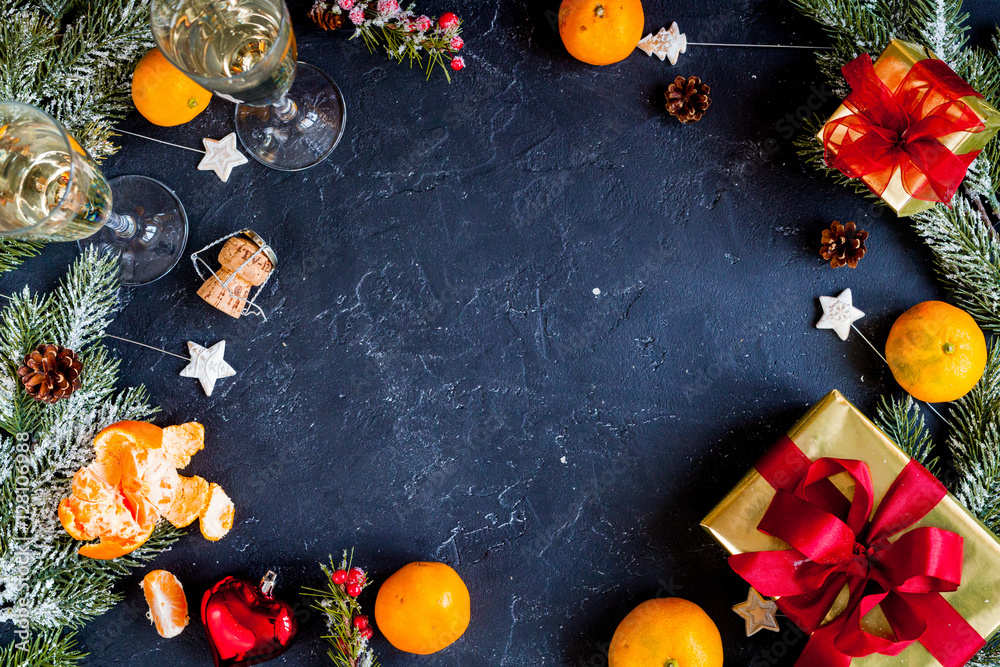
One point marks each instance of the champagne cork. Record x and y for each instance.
(228, 289)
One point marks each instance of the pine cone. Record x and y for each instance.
(687, 99)
(843, 244)
(324, 18)
(51, 373)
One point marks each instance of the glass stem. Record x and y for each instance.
(285, 109)
(122, 225)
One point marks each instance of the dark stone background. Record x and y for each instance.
(437, 379)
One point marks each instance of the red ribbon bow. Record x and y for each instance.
(900, 130)
(836, 542)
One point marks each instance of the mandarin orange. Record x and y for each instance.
(936, 352)
(163, 94)
(423, 608)
(601, 32)
(668, 632)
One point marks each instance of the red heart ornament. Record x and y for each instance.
(244, 624)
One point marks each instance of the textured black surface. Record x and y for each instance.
(439, 379)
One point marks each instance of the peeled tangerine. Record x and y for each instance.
(133, 482)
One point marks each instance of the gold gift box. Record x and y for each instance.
(835, 428)
(892, 67)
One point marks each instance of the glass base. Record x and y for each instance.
(307, 137)
(159, 241)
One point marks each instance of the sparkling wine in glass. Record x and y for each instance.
(290, 115)
(52, 190)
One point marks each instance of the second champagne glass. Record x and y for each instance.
(52, 190)
(290, 115)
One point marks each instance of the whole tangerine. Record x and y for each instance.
(668, 632)
(423, 608)
(601, 32)
(936, 352)
(163, 94)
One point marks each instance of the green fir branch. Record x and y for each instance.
(902, 421)
(61, 589)
(942, 26)
(967, 257)
(975, 444)
(79, 70)
(43, 649)
(13, 253)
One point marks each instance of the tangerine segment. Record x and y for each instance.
(168, 608)
(96, 519)
(128, 534)
(144, 516)
(423, 608)
(146, 473)
(189, 502)
(666, 631)
(217, 518)
(89, 486)
(182, 442)
(67, 517)
(114, 441)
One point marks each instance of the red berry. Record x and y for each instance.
(367, 633)
(354, 590)
(356, 576)
(339, 577)
(361, 622)
(458, 63)
(447, 21)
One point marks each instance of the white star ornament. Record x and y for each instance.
(221, 156)
(839, 313)
(207, 365)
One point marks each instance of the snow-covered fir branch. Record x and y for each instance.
(44, 580)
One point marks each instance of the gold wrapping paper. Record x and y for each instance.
(835, 428)
(891, 67)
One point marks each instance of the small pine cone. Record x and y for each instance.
(324, 18)
(51, 373)
(687, 99)
(843, 245)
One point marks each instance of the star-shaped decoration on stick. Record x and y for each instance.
(665, 44)
(221, 156)
(758, 613)
(207, 365)
(839, 313)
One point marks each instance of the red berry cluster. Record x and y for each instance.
(353, 582)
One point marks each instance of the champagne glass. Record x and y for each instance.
(52, 190)
(290, 115)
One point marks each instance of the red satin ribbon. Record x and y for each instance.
(899, 130)
(838, 542)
